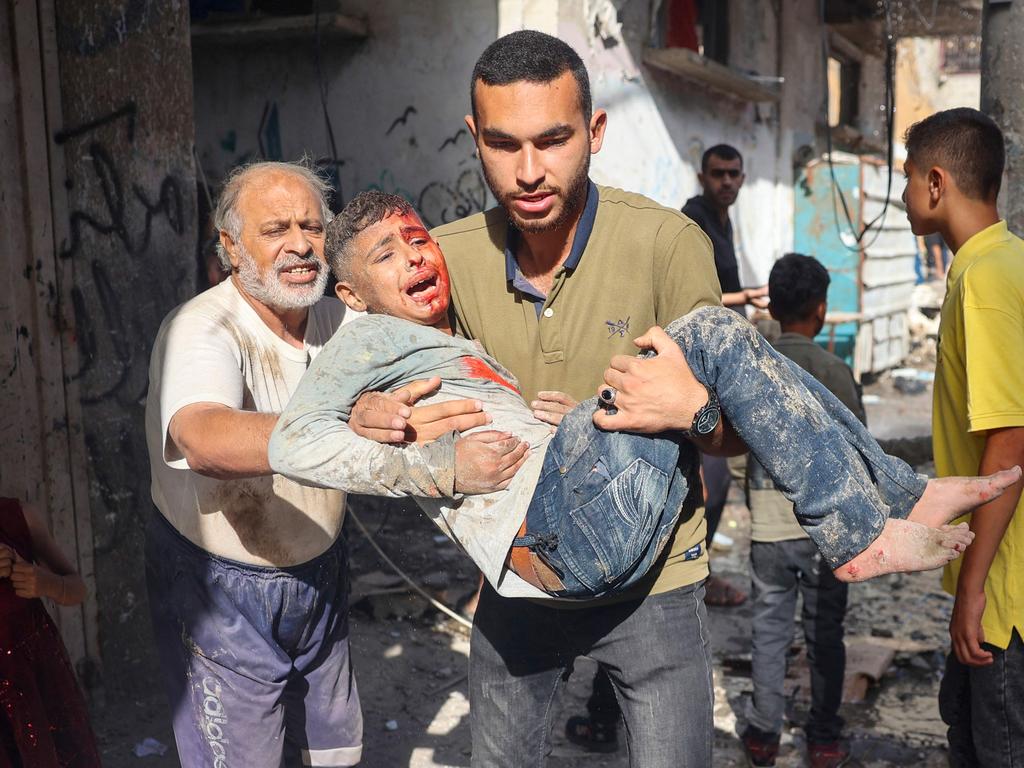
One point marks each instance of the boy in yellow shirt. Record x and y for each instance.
(954, 169)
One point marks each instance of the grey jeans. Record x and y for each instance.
(984, 709)
(780, 570)
(655, 651)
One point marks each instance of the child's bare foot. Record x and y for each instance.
(907, 546)
(946, 498)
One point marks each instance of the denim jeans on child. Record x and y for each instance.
(606, 503)
(780, 570)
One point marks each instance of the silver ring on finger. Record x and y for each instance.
(607, 395)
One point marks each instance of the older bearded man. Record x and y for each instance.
(245, 569)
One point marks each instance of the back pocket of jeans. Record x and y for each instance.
(616, 525)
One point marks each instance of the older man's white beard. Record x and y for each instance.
(268, 289)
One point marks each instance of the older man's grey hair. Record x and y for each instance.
(226, 216)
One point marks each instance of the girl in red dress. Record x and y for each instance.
(43, 722)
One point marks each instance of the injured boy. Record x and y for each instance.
(587, 512)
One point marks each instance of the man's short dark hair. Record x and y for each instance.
(533, 57)
(722, 152)
(796, 286)
(965, 142)
(363, 211)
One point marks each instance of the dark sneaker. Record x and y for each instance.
(760, 746)
(830, 755)
(592, 735)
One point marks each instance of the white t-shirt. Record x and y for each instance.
(216, 349)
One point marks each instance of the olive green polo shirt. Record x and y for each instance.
(634, 264)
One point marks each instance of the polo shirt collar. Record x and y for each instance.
(579, 240)
(977, 245)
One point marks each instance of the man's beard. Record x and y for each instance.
(573, 200)
(267, 288)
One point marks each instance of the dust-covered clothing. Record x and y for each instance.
(771, 513)
(380, 353)
(238, 591)
(979, 385)
(633, 264)
(604, 483)
(216, 349)
(599, 506)
(255, 660)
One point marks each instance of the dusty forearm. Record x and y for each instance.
(320, 449)
(225, 443)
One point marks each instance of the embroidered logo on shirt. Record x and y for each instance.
(617, 328)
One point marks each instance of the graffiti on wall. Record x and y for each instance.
(460, 193)
(454, 188)
(129, 243)
(125, 217)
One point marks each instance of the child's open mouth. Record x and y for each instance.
(424, 289)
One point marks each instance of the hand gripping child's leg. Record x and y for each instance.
(846, 491)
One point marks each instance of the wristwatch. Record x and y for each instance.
(706, 418)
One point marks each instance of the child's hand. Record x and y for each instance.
(6, 561)
(487, 461)
(29, 580)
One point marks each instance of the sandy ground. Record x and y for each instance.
(411, 667)
(411, 662)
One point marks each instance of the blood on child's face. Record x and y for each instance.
(401, 271)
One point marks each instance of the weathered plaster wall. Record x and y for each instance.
(659, 125)
(396, 100)
(129, 236)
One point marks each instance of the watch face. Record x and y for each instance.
(707, 420)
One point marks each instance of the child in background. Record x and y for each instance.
(954, 169)
(784, 561)
(43, 721)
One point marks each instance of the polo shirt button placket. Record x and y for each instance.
(549, 312)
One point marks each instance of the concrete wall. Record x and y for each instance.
(396, 102)
(127, 236)
(396, 99)
(921, 86)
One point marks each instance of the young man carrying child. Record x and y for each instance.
(784, 561)
(592, 512)
(954, 169)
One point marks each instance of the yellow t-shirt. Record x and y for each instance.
(979, 386)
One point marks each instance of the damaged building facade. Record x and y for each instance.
(122, 116)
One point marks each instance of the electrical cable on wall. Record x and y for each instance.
(890, 74)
